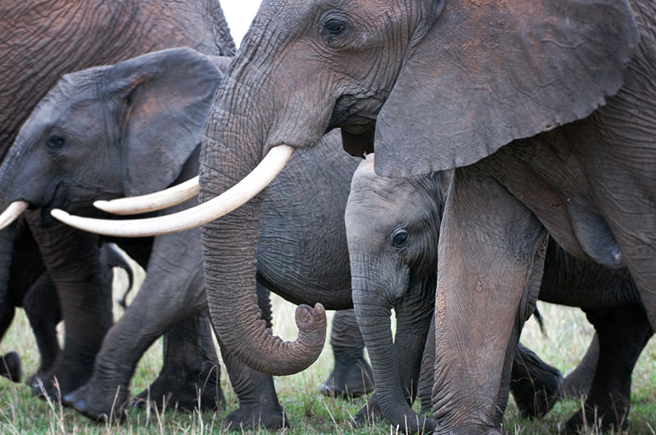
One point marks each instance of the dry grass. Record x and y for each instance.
(307, 410)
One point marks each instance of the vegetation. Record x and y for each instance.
(568, 335)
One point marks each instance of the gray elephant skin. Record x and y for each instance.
(31, 288)
(392, 225)
(546, 109)
(39, 43)
(94, 135)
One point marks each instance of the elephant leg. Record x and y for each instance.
(489, 271)
(578, 383)
(258, 401)
(73, 259)
(190, 374)
(43, 312)
(351, 376)
(426, 374)
(10, 363)
(167, 296)
(623, 333)
(534, 384)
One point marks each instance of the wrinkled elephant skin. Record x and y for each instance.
(388, 253)
(38, 44)
(546, 109)
(158, 103)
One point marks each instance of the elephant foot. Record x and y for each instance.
(611, 419)
(535, 397)
(60, 380)
(252, 417)
(370, 413)
(10, 367)
(352, 378)
(99, 406)
(45, 387)
(183, 392)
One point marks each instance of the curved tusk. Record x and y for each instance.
(12, 213)
(152, 202)
(233, 198)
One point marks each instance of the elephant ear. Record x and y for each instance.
(164, 98)
(489, 72)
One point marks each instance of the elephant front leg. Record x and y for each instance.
(167, 297)
(490, 259)
(42, 309)
(190, 374)
(73, 260)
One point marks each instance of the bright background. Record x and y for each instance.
(240, 14)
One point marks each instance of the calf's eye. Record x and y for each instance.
(55, 142)
(400, 239)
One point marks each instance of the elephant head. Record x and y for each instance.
(104, 131)
(392, 226)
(434, 84)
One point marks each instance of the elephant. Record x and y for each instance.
(30, 287)
(39, 43)
(393, 252)
(544, 109)
(91, 136)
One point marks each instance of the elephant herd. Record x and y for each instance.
(498, 153)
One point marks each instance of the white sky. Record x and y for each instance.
(239, 14)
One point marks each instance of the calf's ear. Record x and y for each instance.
(488, 72)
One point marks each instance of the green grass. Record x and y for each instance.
(568, 335)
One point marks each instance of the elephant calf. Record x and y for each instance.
(393, 228)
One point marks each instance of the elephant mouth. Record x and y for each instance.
(273, 163)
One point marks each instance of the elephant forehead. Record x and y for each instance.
(367, 183)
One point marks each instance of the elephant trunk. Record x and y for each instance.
(373, 313)
(229, 247)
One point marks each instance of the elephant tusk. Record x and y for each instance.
(272, 164)
(12, 213)
(152, 202)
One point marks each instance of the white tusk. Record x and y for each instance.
(152, 202)
(12, 213)
(233, 198)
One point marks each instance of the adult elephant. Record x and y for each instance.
(393, 255)
(93, 135)
(39, 42)
(546, 108)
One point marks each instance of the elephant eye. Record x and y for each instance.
(55, 142)
(400, 238)
(335, 27)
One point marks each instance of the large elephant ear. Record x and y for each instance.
(163, 100)
(491, 71)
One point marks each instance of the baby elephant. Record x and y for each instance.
(393, 229)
